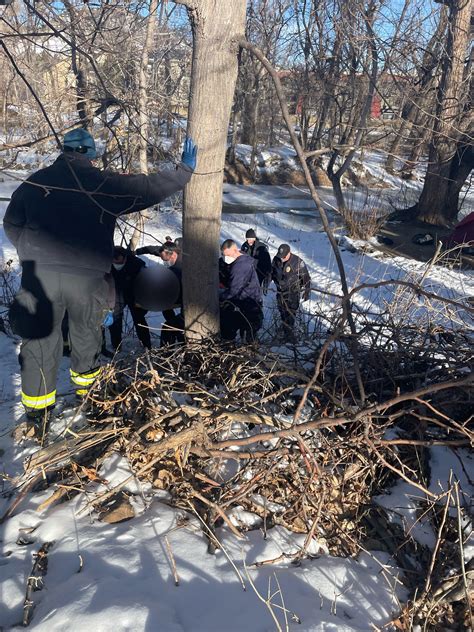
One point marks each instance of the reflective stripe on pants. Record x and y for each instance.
(84, 379)
(37, 403)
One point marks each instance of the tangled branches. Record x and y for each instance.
(250, 439)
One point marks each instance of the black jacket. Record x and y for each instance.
(242, 281)
(64, 216)
(177, 270)
(259, 252)
(291, 277)
(149, 250)
(125, 278)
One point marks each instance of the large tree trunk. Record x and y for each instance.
(217, 27)
(461, 166)
(432, 206)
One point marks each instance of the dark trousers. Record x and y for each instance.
(288, 305)
(245, 317)
(141, 326)
(172, 331)
(37, 315)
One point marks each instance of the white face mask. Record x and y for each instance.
(228, 259)
(118, 266)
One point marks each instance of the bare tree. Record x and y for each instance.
(413, 115)
(450, 151)
(354, 133)
(143, 114)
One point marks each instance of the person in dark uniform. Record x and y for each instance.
(253, 247)
(172, 331)
(61, 221)
(125, 269)
(292, 281)
(241, 300)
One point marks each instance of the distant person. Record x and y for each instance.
(125, 269)
(256, 249)
(293, 282)
(241, 300)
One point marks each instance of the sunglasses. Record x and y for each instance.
(81, 149)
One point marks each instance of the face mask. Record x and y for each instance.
(228, 259)
(118, 266)
(167, 264)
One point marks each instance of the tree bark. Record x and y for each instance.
(217, 27)
(449, 118)
(461, 166)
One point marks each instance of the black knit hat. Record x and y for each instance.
(283, 251)
(250, 234)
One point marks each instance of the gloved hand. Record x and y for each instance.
(109, 319)
(189, 155)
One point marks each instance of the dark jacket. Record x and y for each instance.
(155, 251)
(223, 274)
(64, 216)
(291, 277)
(125, 278)
(242, 281)
(259, 252)
(177, 270)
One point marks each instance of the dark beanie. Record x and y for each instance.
(250, 234)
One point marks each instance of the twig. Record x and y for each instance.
(461, 555)
(173, 562)
(35, 580)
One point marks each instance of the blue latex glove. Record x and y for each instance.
(109, 319)
(189, 155)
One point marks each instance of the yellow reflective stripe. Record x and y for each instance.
(38, 402)
(92, 374)
(81, 391)
(84, 379)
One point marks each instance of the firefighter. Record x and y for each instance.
(293, 282)
(61, 221)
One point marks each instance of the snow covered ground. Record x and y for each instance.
(119, 577)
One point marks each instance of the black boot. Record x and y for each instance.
(37, 425)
